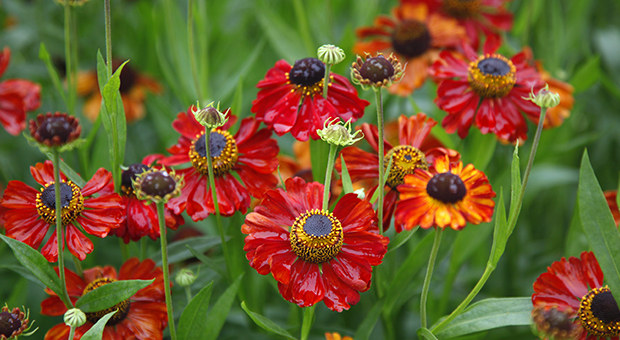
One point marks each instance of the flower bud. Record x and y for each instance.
(185, 278)
(74, 317)
(55, 130)
(334, 133)
(210, 116)
(544, 98)
(376, 71)
(330, 54)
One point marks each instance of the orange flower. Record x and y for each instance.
(133, 92)
(336, 336)
(415, 36)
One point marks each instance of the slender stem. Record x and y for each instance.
(192, 50)
(429, 274)
(307, 322)
(59, 231)
(164, 263)
(108, 37)
(71, 93)
(71, 333)
(124, 250)
(328, 175)
(326, 80)
(188, 294)
(381, 186)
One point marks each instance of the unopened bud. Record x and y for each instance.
(330, 54)
(544, 98)
(210, 116)
(185, 278)
(74, 317)
(335, 133)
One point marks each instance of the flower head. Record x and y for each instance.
(251, 154)
(330, 54)
(315, 255)
(448, 195)
(544, 98)
(376, 71)
(157, 185)
(17, 96)
(30, 212)
(290, 99)
(488, 90)
(141, 316)
(210, 116)
(13, 323)
(337, 134)
(575, 287)
(554, 323)
(55, 130)
(415, 35)
(74, 317)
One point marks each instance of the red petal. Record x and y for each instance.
(100, 179)
(338, 296)
(78, 244)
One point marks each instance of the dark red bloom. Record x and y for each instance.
(575, 286)
(17, 96)
(489, 87)
(30, 212)
(315, 255)
(142, 316)
(251, 154)
(415, 150)
(291, 99)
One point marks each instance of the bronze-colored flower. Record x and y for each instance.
(376, 71)
(55, 129)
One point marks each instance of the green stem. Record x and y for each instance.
(188, 294)
(381, 186)
(108, 37)
(326, 80)
(60, 230)
(307, 322)
(429, 274)
(71, 333)
(71, 89)
(164, 264)
(192, 50)
(328, 175)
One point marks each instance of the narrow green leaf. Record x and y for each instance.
(426, 334)
(515, 185)
(347, 185)
(25, 273)
(489, 314)
(177, 251)
(68, 171)
(218, 313)
(319, 150)
(102, 71)
(247, 64)
(36, 263)
(96, 331)
(193, 322)
(598, 224)
(401, 238)
(481, 148)
(108, 295)
(365, 329)
(587, 75)
(210, 263)
(45, 57)
(284, 39)
(266, 324)
(500, 233)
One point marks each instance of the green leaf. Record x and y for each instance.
(489, 314)
(45, 57)
(193, 322)
(500, 233)
(283, 38)
(96, 331)
(587, 75)
(576, 241)
(480, 149)
(266, 324)
(401, 238)
(366, 327)
(515, 186)
(319, 150)
(36, 263)
(204, 259)
(177, 251)
(426, 334)
(218, 313)
(347, 185)
(598, 224)
(110, 294)
(25, 273)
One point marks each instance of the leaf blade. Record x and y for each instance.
(110, 294)
(191, 326)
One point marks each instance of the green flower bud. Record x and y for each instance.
(209, 116)
(330, 54)
(185, 278)
(544, 98)
(74, 317)
(335, 133)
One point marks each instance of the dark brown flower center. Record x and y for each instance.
(411, 38)
(123, 306)
(446, 187)
(71, 201)
(492, 76)
(405, 159)
(377, 69)
(461, 9)
(222, 149)
(9, 323)
(599, 313)
(307, 76)
(130, 175)
(316, 236)
(157, 183)
(554, 323)
(57, 126)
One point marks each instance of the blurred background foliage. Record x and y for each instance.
(237, 41)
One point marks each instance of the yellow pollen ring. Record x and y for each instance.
(593, 324)
(488, 85)
(223, 163)
(405, 159)
(312, 248)
(308, 90)
(69, 213)
(123, 306)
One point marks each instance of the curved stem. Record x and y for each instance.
(307, 322)
(429, 274)
(328, 175)
(381, 187)
(164, 264)
(60, 230)
(71, 333)
(188, 294)
(326, 80)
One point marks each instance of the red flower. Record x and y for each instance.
(488, 17)
(315, 255)
(140, 219)
(291, 99)
(30, 212)
(142, 316)
(416, 150)
(610, 197)
(575, 287)
(415, 36)
(489, 87)
(251, 153)
(17, 96)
